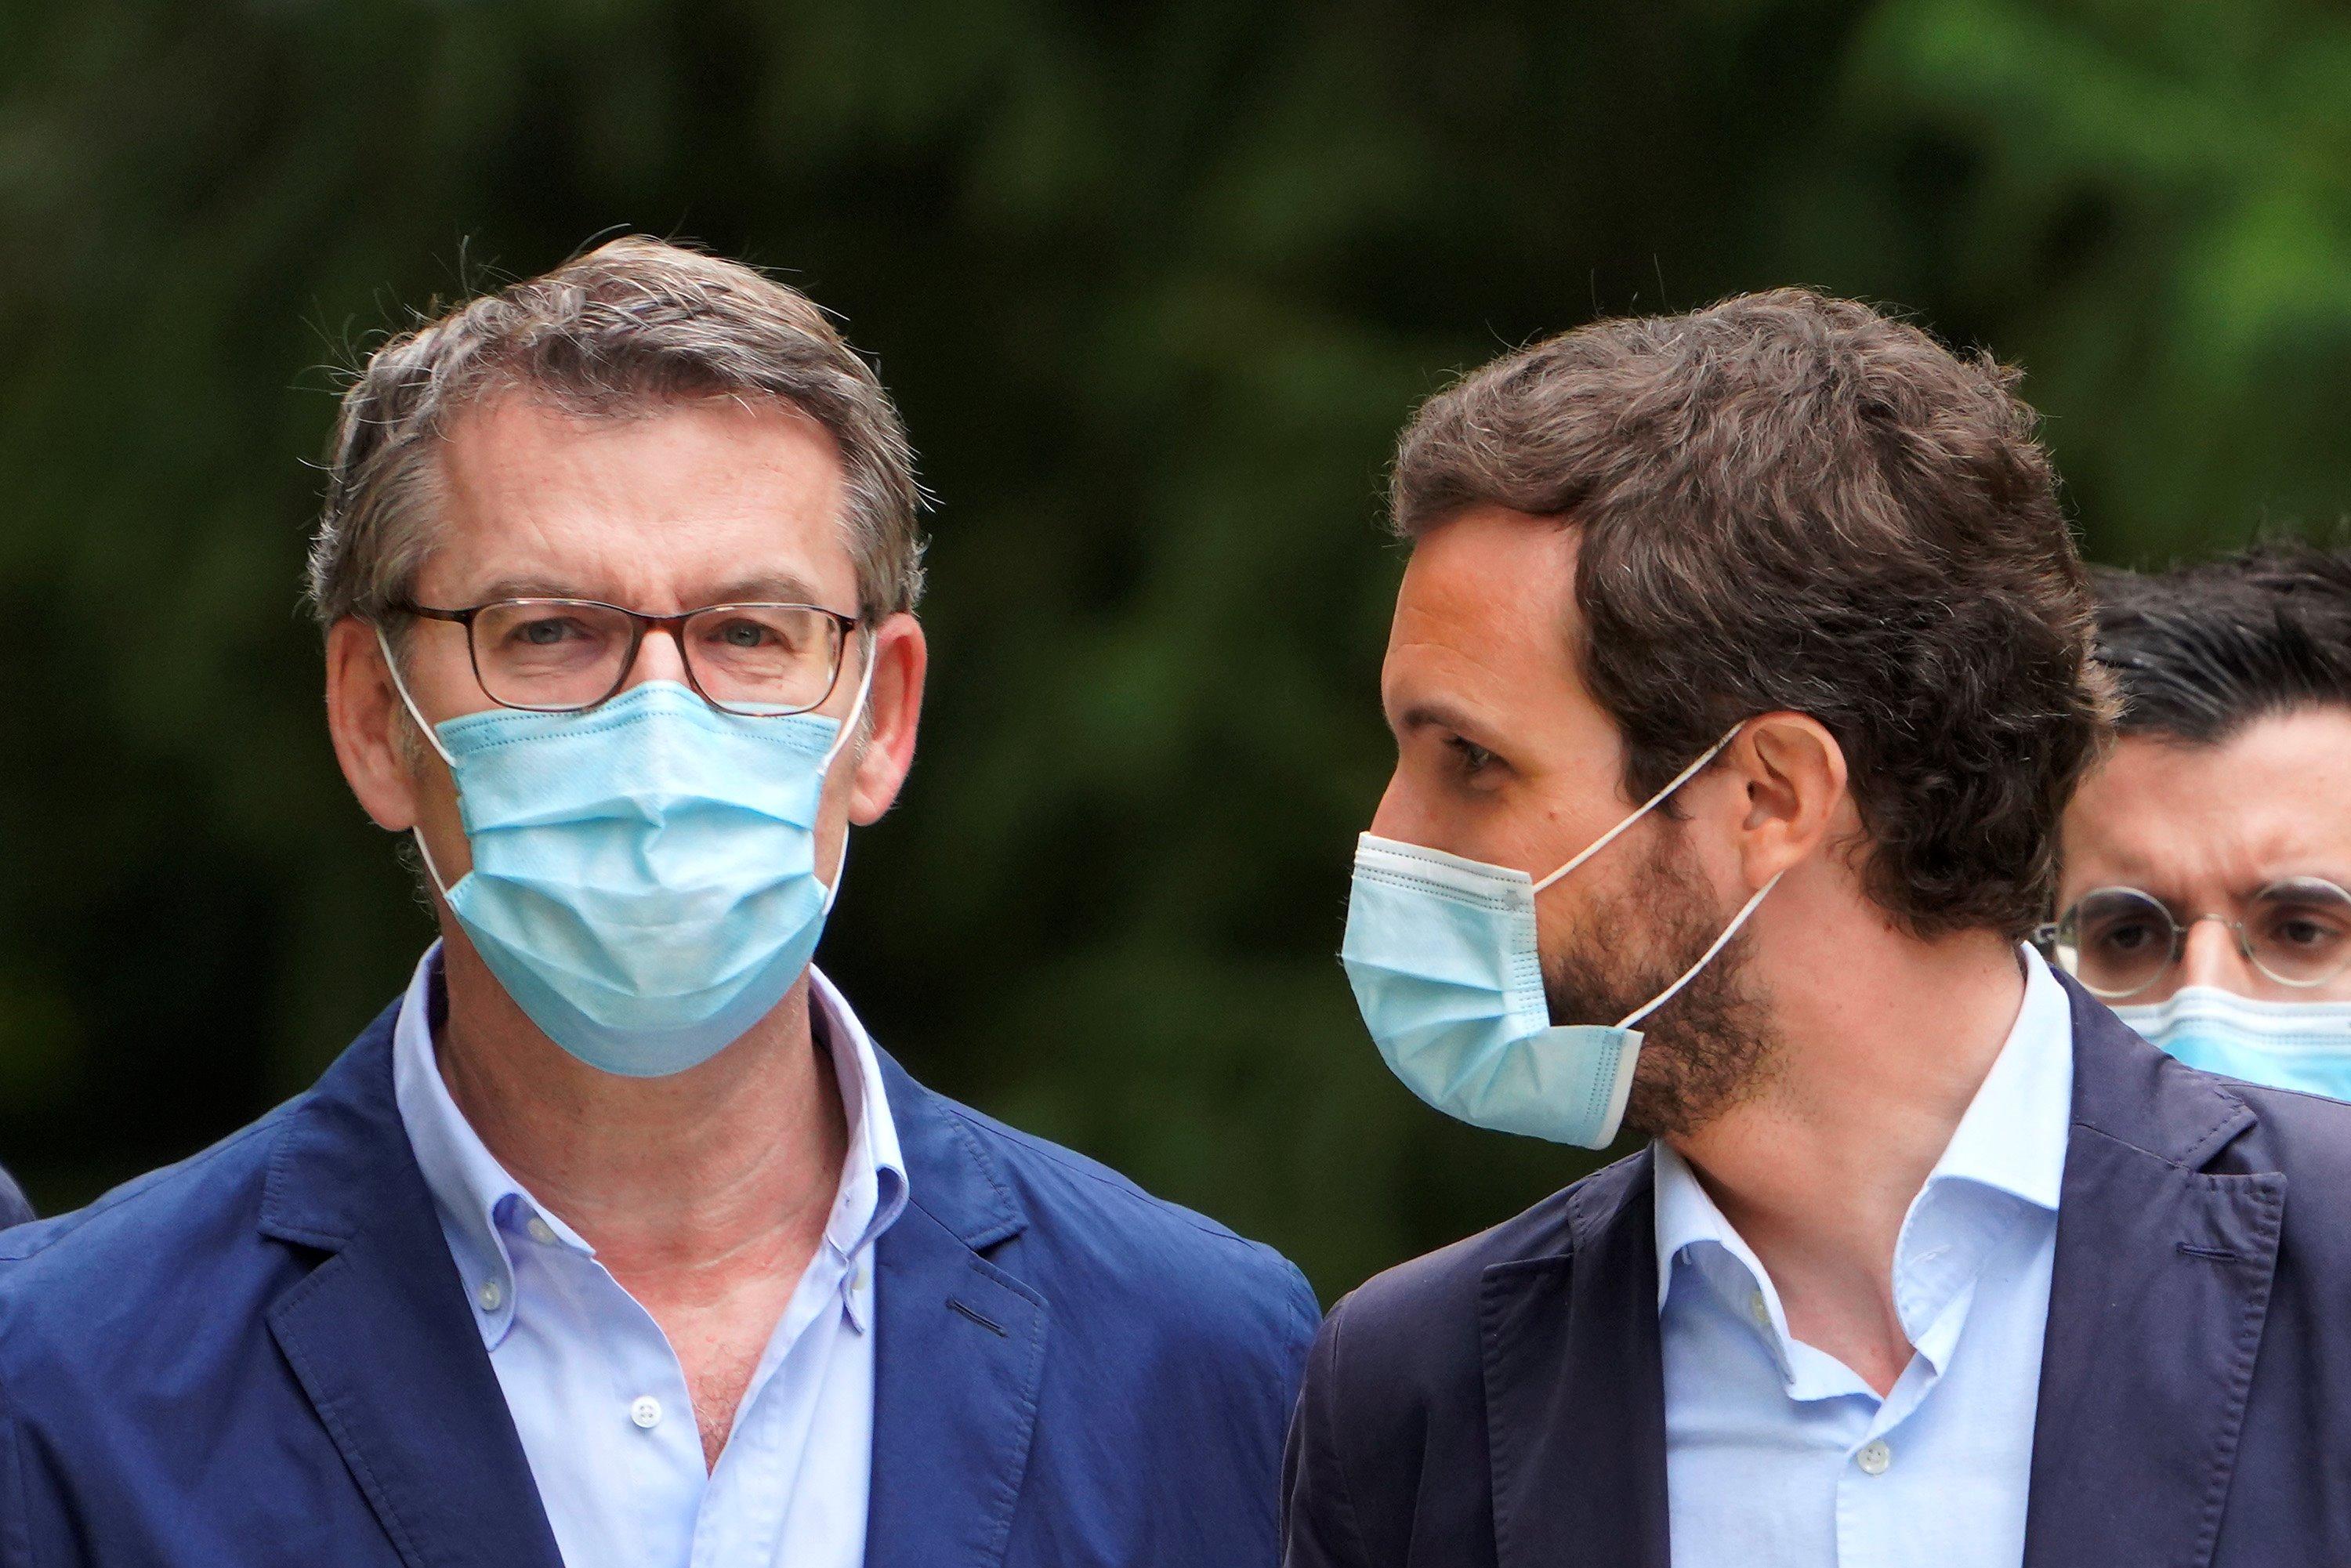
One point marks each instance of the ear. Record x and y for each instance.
(364, 716)
(1791, 773)
(893, 708)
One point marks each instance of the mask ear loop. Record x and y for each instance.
(848, 727)
(1720, 942)
(1684, 777)
(393, 666)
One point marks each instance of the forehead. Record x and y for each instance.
(681, 504)
(1487, 609)
(2217, 821)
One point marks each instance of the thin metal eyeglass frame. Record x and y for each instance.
(640, 623)
(2046, 936)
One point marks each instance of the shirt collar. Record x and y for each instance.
(1686, 1217)
(873, 1173)
(2012, 1137)
(478, 1201)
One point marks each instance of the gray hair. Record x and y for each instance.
(634, 324)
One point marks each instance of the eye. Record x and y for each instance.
(2124, 938)
(744, 633)
(546, 631)
(1474, 758)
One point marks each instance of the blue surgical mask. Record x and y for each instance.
(2287, 1045)
(1441, 952)
(644, 880)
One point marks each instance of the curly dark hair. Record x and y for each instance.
(1792, 503)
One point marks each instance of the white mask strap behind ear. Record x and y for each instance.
(848, 727)
(392, 664)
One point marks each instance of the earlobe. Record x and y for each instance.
(363, 720)
(894, 706)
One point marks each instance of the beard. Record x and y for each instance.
(1706, 1051)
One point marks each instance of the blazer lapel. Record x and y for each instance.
(1575, 1410)
(378, 1336)
(959, 1353)
(2156, 1309)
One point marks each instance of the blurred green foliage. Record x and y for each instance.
(1155, 285)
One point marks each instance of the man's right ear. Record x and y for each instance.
(366, 720)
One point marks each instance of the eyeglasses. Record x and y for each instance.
(563, 655)
(2119, 941)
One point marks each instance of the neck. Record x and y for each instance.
(731, 1165)
(1883, 1042)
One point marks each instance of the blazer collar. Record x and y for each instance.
(1575, 1407)
(2127, 1091)
(959, 1348)
(379, 1333)
(950, 1174)
(2157, 1305)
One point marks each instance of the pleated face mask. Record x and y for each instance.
(644, 881)
(1441, 954)
(2285, 1044)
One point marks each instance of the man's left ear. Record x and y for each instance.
(1792, 775)
(893, 711)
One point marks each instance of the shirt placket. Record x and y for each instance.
(648, 1410)
(747, 1506)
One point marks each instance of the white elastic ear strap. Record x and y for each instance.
(848, 729)
(1684, 777)
(392, 664)
(406, 701)
(1707, 957)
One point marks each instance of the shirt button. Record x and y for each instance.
(645, 1412)
(490, 1295)
(1873, 1458)
(540, 1231)
(1759, 1310)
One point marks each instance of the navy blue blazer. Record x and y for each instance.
(264, 1357)
(1500, 1404)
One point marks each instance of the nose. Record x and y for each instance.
(2211, 957)
(1391, 820)
(658, 658)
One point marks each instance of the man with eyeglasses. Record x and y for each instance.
(615, 1242)
(2206, 861)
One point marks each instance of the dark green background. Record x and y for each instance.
(1155, 285)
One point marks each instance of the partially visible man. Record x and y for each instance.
(616, 1242)
(14, 1207)
(2207, 860)
(1739, 678)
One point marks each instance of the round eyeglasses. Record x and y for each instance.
(563, 655)
(2119, 941)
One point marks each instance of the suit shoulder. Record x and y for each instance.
(1091, 1220)
(1448, 1282)
(147, 1230)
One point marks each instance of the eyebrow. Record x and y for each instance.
(769, 588)
(1435, 713)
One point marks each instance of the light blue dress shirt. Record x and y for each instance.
(596, 1392)
(1778, 1456)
